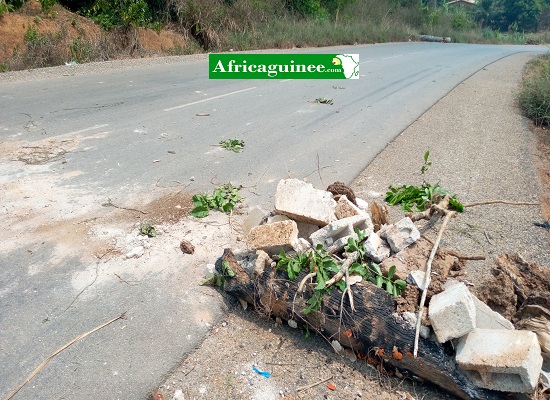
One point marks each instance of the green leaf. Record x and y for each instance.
(226, 269)
(199, 212)
(391, 271)
(379, 281)
(400, 284)
(389, 287)
(426, 155)
(320, 282)
(456, 205)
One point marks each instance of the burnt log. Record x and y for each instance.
(374, 324)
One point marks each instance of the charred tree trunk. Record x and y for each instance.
(373, 325)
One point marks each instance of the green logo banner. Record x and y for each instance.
(283, 66)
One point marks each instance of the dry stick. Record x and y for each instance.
(110, 203)
(448, 216)
(512, 203)
(313, 384)
(47, 360)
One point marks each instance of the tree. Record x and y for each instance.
(489, 13)
(521, 14)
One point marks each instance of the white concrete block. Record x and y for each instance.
(339, 231)
(452, 313)
(302, 202)
(401, 234)
(500, 359)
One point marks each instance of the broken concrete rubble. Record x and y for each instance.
(376, 248)
(273, 237)
(302, 202)
(335, 235)
(499, 359)
(452, 313)
(401, 234)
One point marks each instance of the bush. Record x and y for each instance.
(534, 97)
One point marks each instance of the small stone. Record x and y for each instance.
(187, 247)
(178, 395)
(337, 346)
(416, 278)
(292, 323)
(136, 252)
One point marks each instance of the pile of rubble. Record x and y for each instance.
(489, 352)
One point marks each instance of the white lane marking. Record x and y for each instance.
(418, 52)
(208, 99)
(285, 80)
(387, 58)
(91, 128)
(364, 62)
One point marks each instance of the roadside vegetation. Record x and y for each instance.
(224, 25)
(534, 97)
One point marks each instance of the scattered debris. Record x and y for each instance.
(373, 307)
(234, 145)
(224, 199)
(147, 229)
(265, 374)
(323, 100)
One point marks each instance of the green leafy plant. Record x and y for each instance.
(322, 100)
(235, 145)
(418, 198)
(393, 286)
(219, 279)
(224, 199)
(427, 164)
(325, 267)
(47, 5)
(147, 229)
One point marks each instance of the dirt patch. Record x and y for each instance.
(170, 208)
(296, 362)
(71, 37)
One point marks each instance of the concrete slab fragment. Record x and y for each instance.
(500, 359)
(302, 202)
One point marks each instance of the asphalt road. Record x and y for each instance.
(136, 116)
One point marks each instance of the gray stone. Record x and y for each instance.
(417, 278)
(501, 359)
(302, 202)
(302, 245)
(376, 248)
(362, 204)
(136, 252)
(452, 313)
(401, 234)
